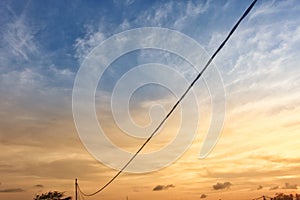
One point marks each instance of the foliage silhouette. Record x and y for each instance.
(281, 196)
(55, 195)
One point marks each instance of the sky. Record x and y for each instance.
(255, 79)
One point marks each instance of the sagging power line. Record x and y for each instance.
(175, 105)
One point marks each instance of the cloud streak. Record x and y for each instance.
(11, 190)
(20, 39)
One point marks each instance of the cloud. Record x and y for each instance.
(91, 39)
(162, 187)
(39, 185)
(277, 159)
(290, 186)
(221, 186)
(12, 190)
(19, 38)
(64, 168)
(274, 187)
(270, 45)
(25, 51)
(162, 14)
(260, 187)
(269, 8)
(123, 3)
(250, 173)
(192, 12)
(203, 196)
(51, 165)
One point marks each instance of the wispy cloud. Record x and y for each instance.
(162, 14)
(277, 159)
(11, 190)
(124, 3)
(19, 39)
(91, 39)
(192, 11)
(272, 7)
(259, 63)
(259, 67)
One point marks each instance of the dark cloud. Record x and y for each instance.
(221, 186)
(274, 187)
(260, 187)
(162, 187)
(290, 186)
(39, 185)
(203, 196)
(11, 190)
(158, 187)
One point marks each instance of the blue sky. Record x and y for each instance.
(56, 27)
(43, 43)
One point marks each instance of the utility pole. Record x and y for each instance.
(76, 188)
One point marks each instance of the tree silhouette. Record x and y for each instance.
(55, 195)
(281, 196)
